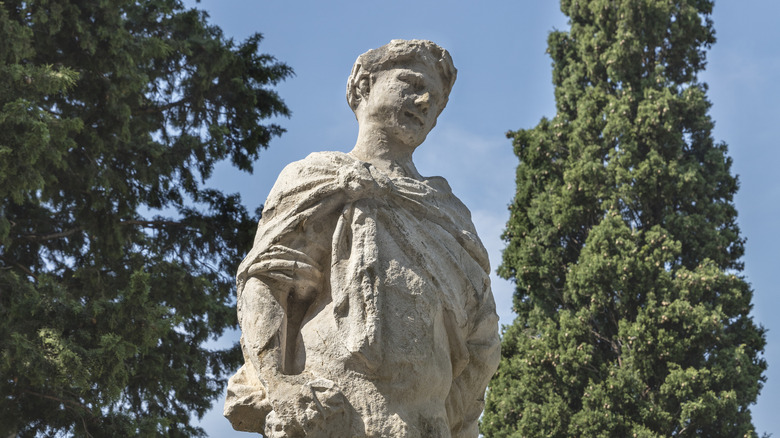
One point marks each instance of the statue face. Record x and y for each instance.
(404, 102)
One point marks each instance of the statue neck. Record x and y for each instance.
(392, 157)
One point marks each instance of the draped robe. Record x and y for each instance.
(368, 298)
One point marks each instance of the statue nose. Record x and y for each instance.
(423, 102)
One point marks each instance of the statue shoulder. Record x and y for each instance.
(310, 171)
(439, 183)
(317, 163)
(445, 195)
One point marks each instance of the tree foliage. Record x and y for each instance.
(633, 318)
(116, 259)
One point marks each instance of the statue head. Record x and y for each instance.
(398, 53)
(401, 88)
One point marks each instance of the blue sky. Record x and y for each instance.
(504, 83)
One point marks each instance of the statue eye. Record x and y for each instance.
(414, 80)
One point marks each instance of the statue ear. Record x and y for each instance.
(363, 86)
(359, 87)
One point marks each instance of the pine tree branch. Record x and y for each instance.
(21, 267)
(159, 109)
(57, 399)
(72, 231)
(151, 224)
(615, 346)
(61, 234)
(84, 424)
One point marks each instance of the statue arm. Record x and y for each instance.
(277, 286)
(285, 399)
(279, 280)
(292, 402)
(280, 286)
(467, 396)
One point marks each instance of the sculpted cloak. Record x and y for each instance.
(365, 307)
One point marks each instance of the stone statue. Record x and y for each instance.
(365, 303)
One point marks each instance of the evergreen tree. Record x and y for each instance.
(116, 259)
(633, 318)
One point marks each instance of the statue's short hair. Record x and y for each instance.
(398, 51)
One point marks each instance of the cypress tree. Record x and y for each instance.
(633, 319)
(117, 260)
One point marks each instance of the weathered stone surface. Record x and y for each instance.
(365, 303)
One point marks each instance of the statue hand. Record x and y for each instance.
(307, 409)
(326, 400)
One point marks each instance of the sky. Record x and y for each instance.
(505, 83)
